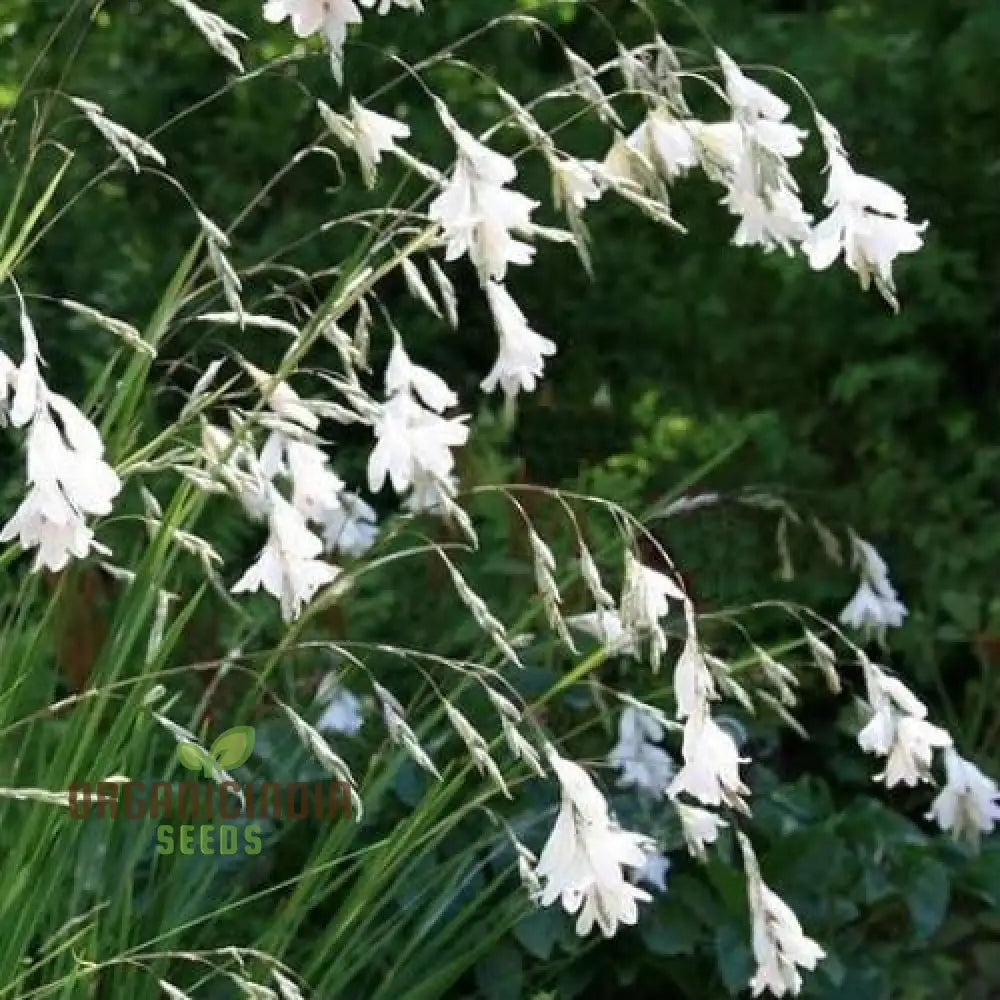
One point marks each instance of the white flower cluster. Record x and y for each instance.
(478, 213)
(587, 855)
(290, 567)
(969, 804)
(780, 946)
(413, 442)
(898, 729)
(867, 221)
(711, 770)
(748, 155)
(875, 605)
(482, 217)
(67, 476)
(332, 18)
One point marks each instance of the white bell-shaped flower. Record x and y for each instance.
(867, 222)
(898, 730)
(711, 769)
(969, 804)
(585, 859)
(780, 946)
(476, 210)
(521, 360)
(374, 135)
(700, 828)
(643, 763)
(288, 567)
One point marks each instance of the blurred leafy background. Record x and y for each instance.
(681, 355)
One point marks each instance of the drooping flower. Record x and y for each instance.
(521, 360)
(476, 210)
(413, 442)
(669, 144)
(374, 134)
(342, 713)
(770, 216)
(67, 476)
(643, 763)
(331, 17)
(65, 452)
(45, 521)
(315, 486)
(780, 946)
(402, 375)
(661, 146)
(748, 155)
(969, 804)
(723, 146)
(898, 729)
(606, 625)
(873, 611)
(584, 861)
(711, 770)
(693, 684)
(700, 827)
(575, 182)
(347, 523)
(748, 96)
(288, 567)
(625, 165)
(875, 605)
(646, 595)
(867, 222)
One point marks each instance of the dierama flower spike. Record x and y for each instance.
(413, 442)
(478, 213)
(867, 222)
(779, 944)
(587, 855)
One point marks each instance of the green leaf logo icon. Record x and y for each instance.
(191, 756)
(231, 749)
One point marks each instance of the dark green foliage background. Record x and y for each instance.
(889, 423)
